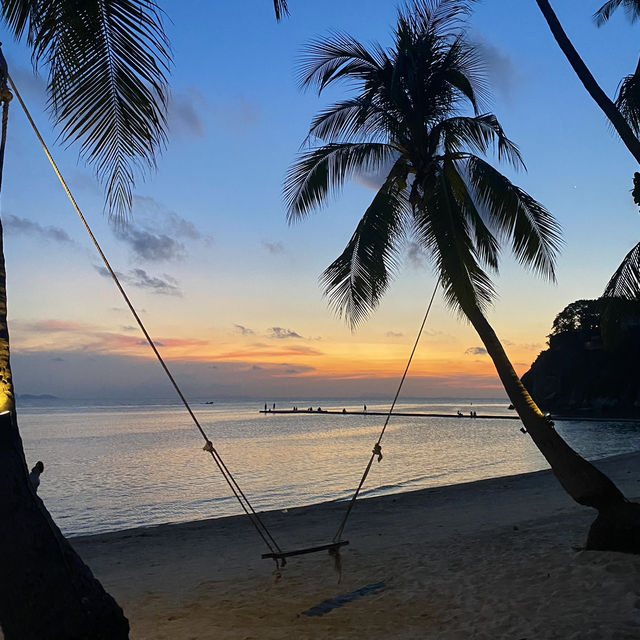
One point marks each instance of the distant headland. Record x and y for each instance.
(31, 397)
(591, 365)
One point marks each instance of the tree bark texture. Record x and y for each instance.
(46, 591)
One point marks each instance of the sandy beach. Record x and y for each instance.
(492, 559)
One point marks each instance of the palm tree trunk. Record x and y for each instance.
(602, 100)
(617, 527)
(582, 481)
(46, 591)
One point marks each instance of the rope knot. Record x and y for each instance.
(5, 94)
(377, 451)
(208, 447)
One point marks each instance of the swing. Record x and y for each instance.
(275, 552)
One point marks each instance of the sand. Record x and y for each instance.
(492, 559)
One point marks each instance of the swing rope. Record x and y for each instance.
(377, 448)
(275, 551)
(208, 447)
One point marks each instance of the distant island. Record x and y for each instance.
(591, 365)
(31, 397)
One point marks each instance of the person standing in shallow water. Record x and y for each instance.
(34, 476)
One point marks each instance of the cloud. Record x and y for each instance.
(245, 331)
(274, 248)
(120, 377)
(24, 226)
(156, 216)
(502, 72)
(156, 343)
(476, 351)
(255, 352)
(158, 233)
(165, 285)
(149, 246)
(282, 334)
(185, 120)
(415, 255)
(394, 334)
(55, 326)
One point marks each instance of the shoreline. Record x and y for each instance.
(492, 558)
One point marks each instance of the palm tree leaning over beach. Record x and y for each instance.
(624, 116)
(407, 120)
(107, 62)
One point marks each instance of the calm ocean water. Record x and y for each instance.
(116, 467)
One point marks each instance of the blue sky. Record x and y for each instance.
(230, 290)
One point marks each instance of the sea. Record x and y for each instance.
(115, 467)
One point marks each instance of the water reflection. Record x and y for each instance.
(118, 467)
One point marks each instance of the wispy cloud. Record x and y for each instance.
(242, 330)
(24, 226)
(394, 334)
(157, 234)
(503, 74)
(476, 351)
(282, 334)
(255, 352)
(150, 246)
(165, 285)
(139, 278)
(185, 120)
(274, 248)
(415, 255)
(52, 326)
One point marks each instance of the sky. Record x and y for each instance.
(228, 290)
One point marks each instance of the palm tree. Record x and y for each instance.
(107, 62)
(632, 8)
(407, 118)
(281, 9)
(622, 114)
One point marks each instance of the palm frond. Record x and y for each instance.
(108, 63)
(281, 9)
(337, 57)
(632, 9)
(628, 100)
(21, 16)
(357, 279)
(444, 231)
(625, 282)
(320, 172)
(480, 134)
(442, 17)
(534, 234)
(485, 245)
(465, 70)
(357, 119)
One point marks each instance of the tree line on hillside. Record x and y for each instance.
(590, 366)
